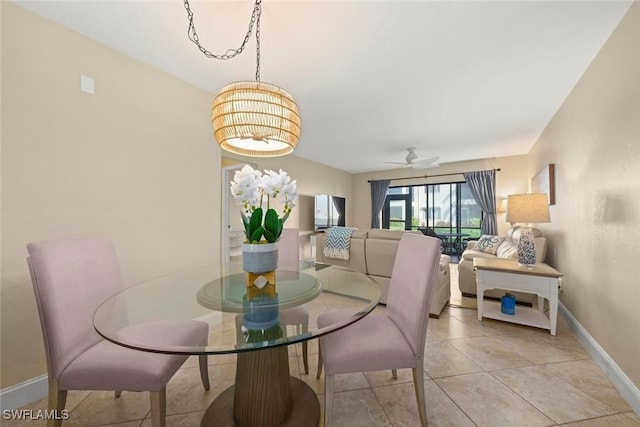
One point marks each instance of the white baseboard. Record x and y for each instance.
(26, 392)
(618, 378)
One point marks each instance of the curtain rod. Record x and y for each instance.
(432, 176)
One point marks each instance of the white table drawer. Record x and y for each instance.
(523, 282)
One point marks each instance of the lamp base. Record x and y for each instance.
(526, 247)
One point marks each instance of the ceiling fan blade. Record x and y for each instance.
(426, 160)
(424, 165)
(413, 161)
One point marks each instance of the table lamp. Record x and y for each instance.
(503, 206)
(527, 209)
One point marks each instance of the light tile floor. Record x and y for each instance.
(487, 373)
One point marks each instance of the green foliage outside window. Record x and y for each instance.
(474, 222)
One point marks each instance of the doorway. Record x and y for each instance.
(396, 213)
(232, 230)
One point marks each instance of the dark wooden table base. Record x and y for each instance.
(305, 410)
(264, 395)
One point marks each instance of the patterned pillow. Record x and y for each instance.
(488, 244)
(507, 249)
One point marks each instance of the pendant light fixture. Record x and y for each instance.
(251, 118)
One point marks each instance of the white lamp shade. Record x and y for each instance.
(528, 208)
(255, 119)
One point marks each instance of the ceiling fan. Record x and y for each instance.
(413, 161)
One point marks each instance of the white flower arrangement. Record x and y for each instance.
(253, 190)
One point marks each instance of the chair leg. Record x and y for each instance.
(158, 407)
(328, 400)
(305, 359)
(56, 402)
(117, 393)
(418, 384)
(319, 371)
(204, 371)
(394, 374)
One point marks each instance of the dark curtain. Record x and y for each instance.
(483, 187)
(378, 194)
(339, 203)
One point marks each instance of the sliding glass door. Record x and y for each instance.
(397, 210)
(445, 208)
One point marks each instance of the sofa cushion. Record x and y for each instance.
(487, 243)
(358, 234)
(445, 260)
(380, 254)
(470, 254)
(356, 254)
(389, 234)
(507, 249)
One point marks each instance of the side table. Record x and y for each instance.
(507, 274)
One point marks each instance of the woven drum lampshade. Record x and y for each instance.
(256, 119)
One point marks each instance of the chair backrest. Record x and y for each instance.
(412, 281)
(289, 249)
(70, 279)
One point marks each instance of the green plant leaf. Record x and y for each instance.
(257, 235)
(254, 223)
(245, 224)
(269, 236)
(271, 222)
(281, 221)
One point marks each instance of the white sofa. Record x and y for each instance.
(467, 275)
(373, 252)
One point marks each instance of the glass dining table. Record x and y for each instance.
(246, 320)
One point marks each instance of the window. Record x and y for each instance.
(445, 207)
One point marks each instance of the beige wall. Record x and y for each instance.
(135, 163)
(594, 140)
(509, 180)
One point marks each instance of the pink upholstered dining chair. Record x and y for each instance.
(71, 278)
(395, 339)
(289, 259)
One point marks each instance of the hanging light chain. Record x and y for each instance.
(258, 5)
(230, 53)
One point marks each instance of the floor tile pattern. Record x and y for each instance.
(487, 373)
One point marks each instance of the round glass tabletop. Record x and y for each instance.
(241, 316)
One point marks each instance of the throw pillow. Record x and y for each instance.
(488, 244)
(507, 249)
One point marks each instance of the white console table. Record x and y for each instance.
(507, 274)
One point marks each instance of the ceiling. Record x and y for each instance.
(460, 80)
